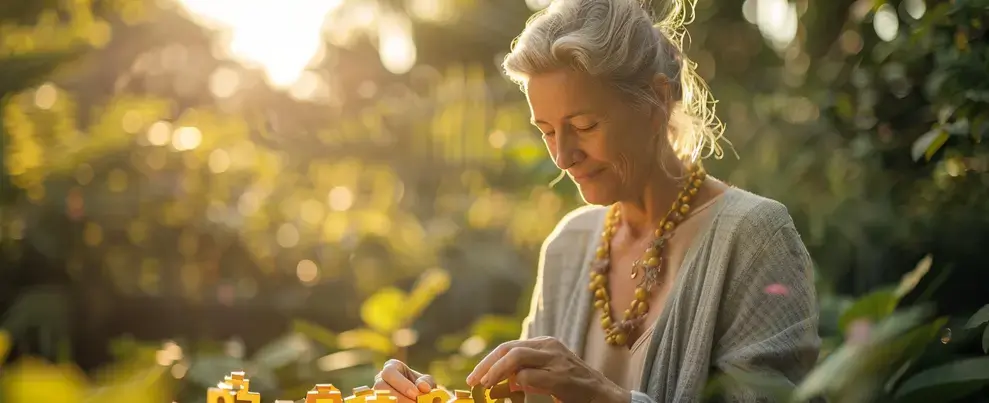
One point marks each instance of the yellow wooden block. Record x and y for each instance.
(360, 395)
(220, 395)
(436, 395)
(324, 393)
(503, 391)
(460, 396)
(381, 398)
(244, 396)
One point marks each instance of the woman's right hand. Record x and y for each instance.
(403, 382)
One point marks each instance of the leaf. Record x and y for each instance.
(28, 70)
(911, 279)
(496, 328)
(366, 339)
(208, 370)
(431, 284)
(281, 352)
(61, 383)
(385, 311)
(928, 144)
(853, 367)
(985, 341)
(873, 306)
(315, 332)
(146, 385)
(775, 385)
(946, 382)
(980, 317)
(5, 344)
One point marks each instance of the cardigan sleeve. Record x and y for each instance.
(767, 327)
(534, 323)
(547, 294)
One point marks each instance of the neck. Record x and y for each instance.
(642, 212)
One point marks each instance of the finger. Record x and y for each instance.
(482, 367)
(533, 380)
(516, 359)
(380, 384)
(425, 383)
(394, 374)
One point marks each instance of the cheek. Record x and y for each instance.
(618, 145)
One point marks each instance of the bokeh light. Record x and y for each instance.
(186, 138)
(307, 271)
(886, 23)
(341, 198)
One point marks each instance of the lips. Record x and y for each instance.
(586, 176)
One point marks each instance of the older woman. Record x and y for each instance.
(670, 275)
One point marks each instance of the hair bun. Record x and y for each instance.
(673, 67)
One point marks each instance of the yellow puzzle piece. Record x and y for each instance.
(437, 395)
(324, 393)
(360, 395)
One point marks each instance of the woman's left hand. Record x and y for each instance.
(543, 365)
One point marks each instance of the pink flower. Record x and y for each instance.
(858, 331)
(776, 289)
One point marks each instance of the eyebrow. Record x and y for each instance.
(570, 116)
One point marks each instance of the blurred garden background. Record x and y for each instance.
(302, 189)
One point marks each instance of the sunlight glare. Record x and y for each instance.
(777, 20)
(281, 36)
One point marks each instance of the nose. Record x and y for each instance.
(568, 152)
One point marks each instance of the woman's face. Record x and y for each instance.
(607, 146)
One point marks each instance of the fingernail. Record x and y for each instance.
(470, 380)
(484, 380)
(412, 392)
(424, 387)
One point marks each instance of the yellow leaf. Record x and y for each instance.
(936, 145)
(366, 339)
(30, 381)
(143, 386)
(4, 345)
(961, 40)
(431, 284)
(911, 279)
(385, 311)
(496, 327)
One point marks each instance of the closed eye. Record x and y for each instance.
(586, 128)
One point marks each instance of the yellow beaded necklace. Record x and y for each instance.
(651, 263)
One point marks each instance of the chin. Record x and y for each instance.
(596, 195)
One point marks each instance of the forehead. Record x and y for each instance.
(559, 93)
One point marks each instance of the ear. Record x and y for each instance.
(662, 91)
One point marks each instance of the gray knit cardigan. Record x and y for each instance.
(743, 302)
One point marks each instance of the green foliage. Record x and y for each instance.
(946, 382)
(353, 214)
(980, 318)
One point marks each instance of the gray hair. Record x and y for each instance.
(617, 40)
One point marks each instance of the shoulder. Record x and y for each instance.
(753, 226)
(754, 217)
(761, 237)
